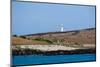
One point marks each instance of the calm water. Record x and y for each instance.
(33, 59)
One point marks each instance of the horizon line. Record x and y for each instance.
(56, 31)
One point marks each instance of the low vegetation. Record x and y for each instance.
(72, 38)
(43, 39)
(22, 41)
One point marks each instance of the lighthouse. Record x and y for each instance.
(62, 28)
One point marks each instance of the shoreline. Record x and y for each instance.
(53, 47)
(50, 50)
(49, 53)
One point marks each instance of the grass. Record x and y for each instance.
(22, 41)
(43, 39)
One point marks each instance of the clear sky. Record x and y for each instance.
(29, 18)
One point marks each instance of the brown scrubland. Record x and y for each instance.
(85, 36)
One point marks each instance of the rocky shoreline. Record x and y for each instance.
(58, 52)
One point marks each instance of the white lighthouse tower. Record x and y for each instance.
(62, 28)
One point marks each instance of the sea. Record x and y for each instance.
(54, 59)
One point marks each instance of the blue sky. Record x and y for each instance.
(29, 18)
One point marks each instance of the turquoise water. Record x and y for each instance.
(36, 59)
